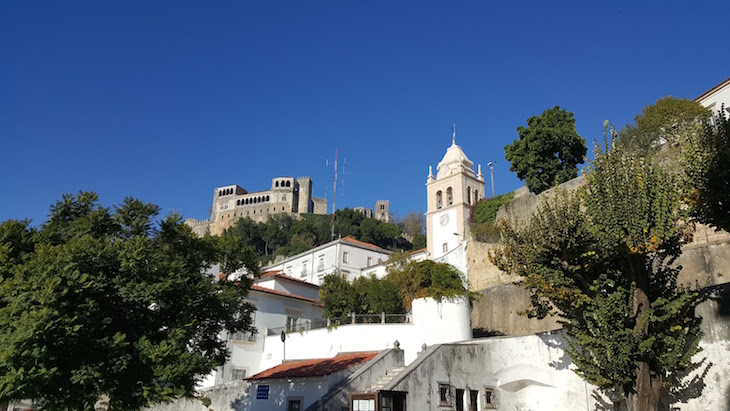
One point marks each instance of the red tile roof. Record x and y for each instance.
(352, 240)
(316, 367)
(282, 293)
(418, 251)
(280, 274)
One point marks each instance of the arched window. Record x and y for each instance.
(267, 198)
(439, 201)
(288, 183)
(468, 195)
(277, 184)
(449, 196)
(476, 196)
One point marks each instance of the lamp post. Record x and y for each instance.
(491, 173)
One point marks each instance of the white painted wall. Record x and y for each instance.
(433, 323)
(717, 98)
(289, 286)
(444, 228)
(271, 312)
(313, 265)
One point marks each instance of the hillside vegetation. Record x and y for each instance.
(284, 235)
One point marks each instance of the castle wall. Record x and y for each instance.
(286, 195)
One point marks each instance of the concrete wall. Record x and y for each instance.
(482, 273)
(433, 323)
(496, 313)
(361, 380)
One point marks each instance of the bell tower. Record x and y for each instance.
(451, 195)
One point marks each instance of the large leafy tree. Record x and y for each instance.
(662, 122)
(115, 304)
(706, 161)
(548, 151)
(601, 260)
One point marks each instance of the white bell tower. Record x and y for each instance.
(452, 194)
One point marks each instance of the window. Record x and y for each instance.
(370, 261)
(320, 265)
(473, 400)
(363, 404)
(246, 336)
(304, 268)
(445, 247)
(444, 395)
(293, 317)
(468, 195)
(345, 258)
(449, 196)
(238, 373)
(439, 201)
(490, 398)
(294, 405)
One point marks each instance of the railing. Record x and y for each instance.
(307, 325)
(241, 336)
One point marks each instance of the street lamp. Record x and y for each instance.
(491, 172)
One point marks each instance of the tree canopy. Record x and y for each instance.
(285, 235)
(99, 302)
(601, 260)
(548, 150)
(662, 122)
(706, 161)
(393, 294)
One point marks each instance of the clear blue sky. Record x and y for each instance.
(164, 101)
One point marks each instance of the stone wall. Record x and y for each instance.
(480, 270)
(497, 313)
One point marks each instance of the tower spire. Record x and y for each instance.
(453, 134)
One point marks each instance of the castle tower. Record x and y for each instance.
(306, 205)
(382, 210)
(452, 194)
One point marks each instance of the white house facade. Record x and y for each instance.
(348, 256)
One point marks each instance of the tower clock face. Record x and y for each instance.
(443, 220)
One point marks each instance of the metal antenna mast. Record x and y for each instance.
(334, 196)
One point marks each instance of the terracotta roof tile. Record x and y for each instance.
(315, 367)
(352, 240)
(280, 274)
(282, 293)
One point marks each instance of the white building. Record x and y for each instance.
(282, 304)
(348, 256)
(716, 97)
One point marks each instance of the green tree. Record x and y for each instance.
(601, 260)
(706, 161)
(548, 151)
(414, 225)
(338, 296)
(377, 296)
(98, 302)
(662, 122)
(427, 278)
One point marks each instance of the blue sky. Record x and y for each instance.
(164, 101)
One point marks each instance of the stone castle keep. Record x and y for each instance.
(287, 195)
